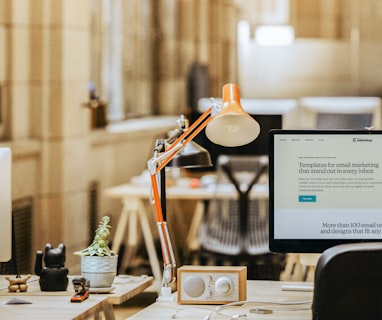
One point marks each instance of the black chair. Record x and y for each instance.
(235, 231)
(348, 283)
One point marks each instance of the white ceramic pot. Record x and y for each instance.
(100, 271)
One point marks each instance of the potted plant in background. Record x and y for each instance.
(98, 262)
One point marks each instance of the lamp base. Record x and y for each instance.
(166, 294)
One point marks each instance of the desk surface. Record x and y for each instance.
(52, 307)
(263, 292)
(45, 304)
(125, 287)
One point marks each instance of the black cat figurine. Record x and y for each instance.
(53, 277)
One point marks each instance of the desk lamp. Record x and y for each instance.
(227, 125)
(191, 156)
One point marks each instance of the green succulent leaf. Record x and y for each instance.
(100, 244)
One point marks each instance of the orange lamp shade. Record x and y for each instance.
(232, 126)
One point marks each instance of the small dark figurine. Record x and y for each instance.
(53, 277)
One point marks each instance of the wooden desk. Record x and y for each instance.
(51, 305)
(133, 211)
(55, 307)
(127, 287)
(259, 291)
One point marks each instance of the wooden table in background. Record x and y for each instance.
(134, 214)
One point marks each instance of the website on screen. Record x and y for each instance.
(328, 186)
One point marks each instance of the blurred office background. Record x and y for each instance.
(141, 57)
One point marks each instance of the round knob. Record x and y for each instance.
(224, 286)
(194, 286)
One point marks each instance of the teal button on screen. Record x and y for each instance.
(307, 198)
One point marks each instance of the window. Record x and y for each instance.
(121, 65)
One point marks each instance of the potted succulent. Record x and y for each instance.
(98, 262)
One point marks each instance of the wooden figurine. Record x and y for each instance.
(18, 284)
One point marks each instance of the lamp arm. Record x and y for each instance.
(153, 163)
(155, 166)
(169, 263)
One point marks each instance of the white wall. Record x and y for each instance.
(308, 67)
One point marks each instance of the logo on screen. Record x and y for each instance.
(362, 140)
